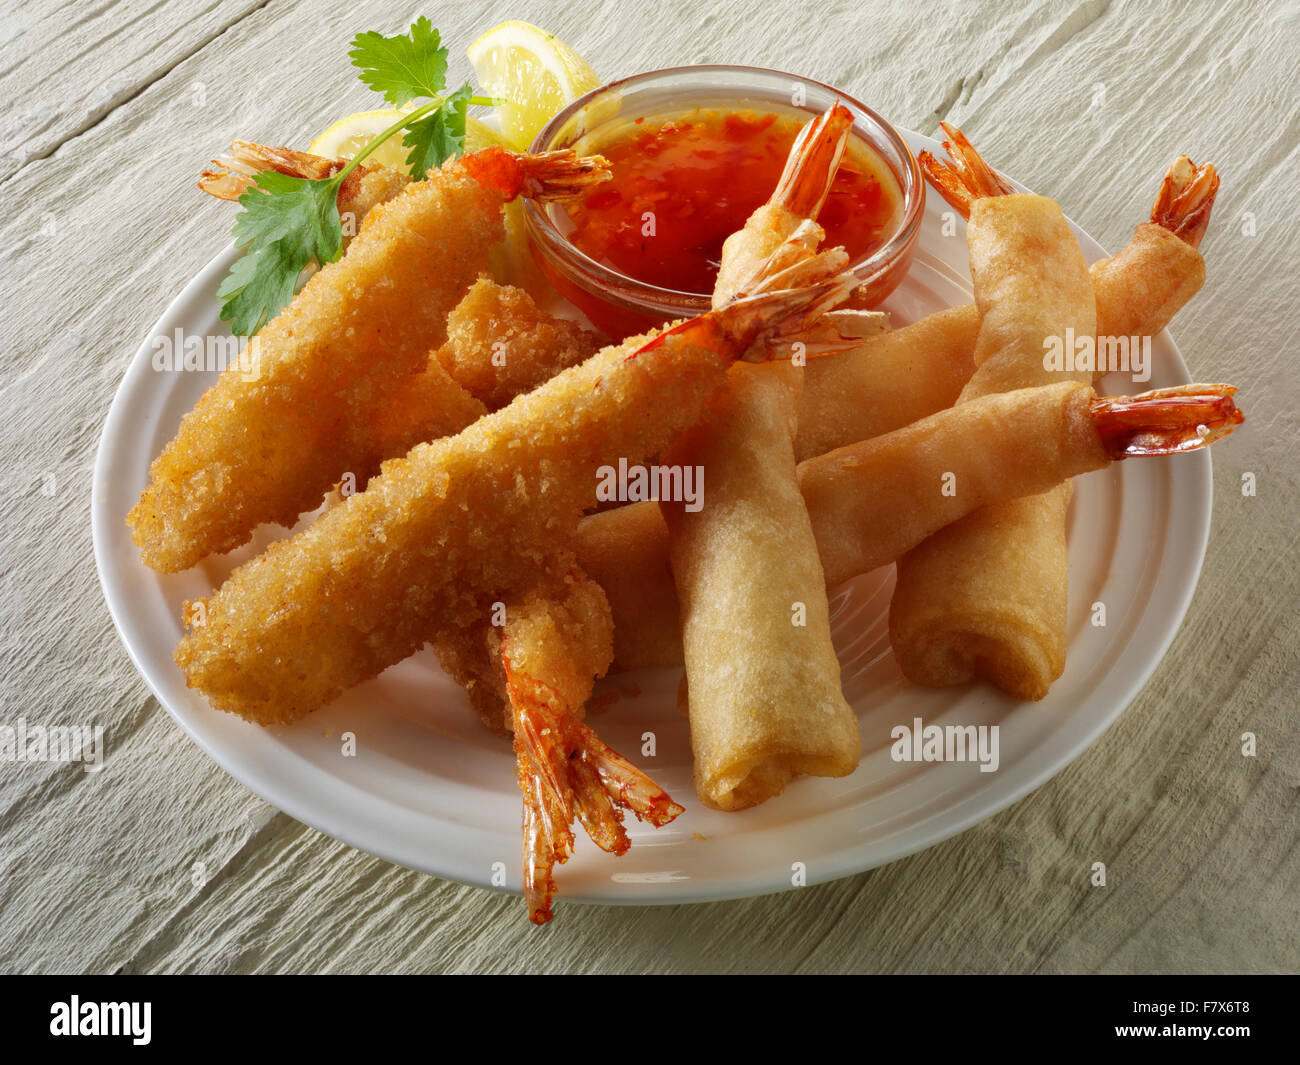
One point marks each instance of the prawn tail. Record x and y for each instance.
(813, 160)
(234, 172)
(541, 176)
(1185, 199)
(1166, 421)
(566, 773)
(964, 177)
(231, 175)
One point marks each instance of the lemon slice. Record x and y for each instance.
(533, 72)
(349, 135)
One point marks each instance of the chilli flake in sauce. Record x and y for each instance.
(680, 187)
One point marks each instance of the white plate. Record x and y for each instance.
(430, 788)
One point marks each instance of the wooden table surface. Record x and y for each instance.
(110, 109)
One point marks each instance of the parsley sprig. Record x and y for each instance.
(285, 222)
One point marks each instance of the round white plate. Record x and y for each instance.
(430, 788)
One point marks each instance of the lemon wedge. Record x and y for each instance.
(349, 135)
(533, 72)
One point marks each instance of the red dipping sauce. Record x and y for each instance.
(681, 186)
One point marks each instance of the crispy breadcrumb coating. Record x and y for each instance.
(560, 633)
(500, 344)
(265, 446)
(454, 521)
(468, 517)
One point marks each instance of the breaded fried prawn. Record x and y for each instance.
(268, 440)
(554, 642)
(501, 344)
(469, 516)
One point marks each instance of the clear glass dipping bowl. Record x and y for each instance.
(621, 305)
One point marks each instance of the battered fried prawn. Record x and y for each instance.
(469, 518)
(265, 446)
(500, 344)
(986, 598)
(529, 672)
(509, 260)
(495, 329)
(747, 253)
(426, 406)
(579, 651)
(872, 501)
(553, 643)
(765, 698)
(563, 631)
(471, 656)
(892, 380)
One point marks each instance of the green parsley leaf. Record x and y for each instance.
(402, 67)
(258, 282)
(286, 222)
(439, 136)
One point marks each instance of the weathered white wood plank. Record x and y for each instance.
(64, 66)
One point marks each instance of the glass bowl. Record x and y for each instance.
(620, 305)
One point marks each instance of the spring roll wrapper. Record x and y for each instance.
(763, 692)
(868, 503)
(1001, 576)
(1140, 289)
(885, 384)
(892, 380)
(872, 502)
(1000, 613)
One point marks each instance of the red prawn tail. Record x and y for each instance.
(542, 176)
(1166, 421)
(813, 160)
(964, 179)
(567, 772)
(1185, 200)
